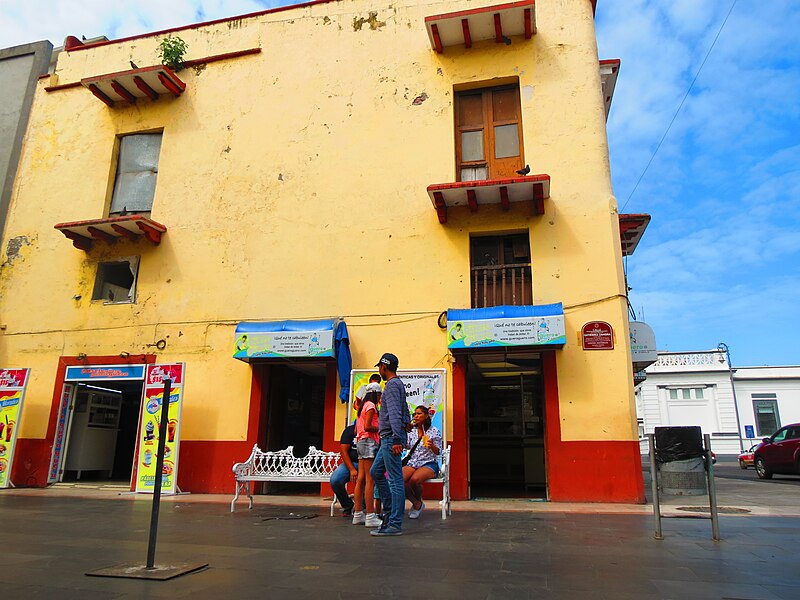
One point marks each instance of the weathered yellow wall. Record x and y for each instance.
(292, 184)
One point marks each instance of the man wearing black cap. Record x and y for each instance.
(392, 421)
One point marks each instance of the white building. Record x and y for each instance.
(700, 388)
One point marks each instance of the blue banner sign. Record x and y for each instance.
(105, 372)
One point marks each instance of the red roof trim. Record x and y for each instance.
(486, 183)
(203, 24)
(613, 62)
(65, 86)
(477, 11)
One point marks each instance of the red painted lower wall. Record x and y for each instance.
(587, 471)
(31, 462)
(596, 472)
(205, 467)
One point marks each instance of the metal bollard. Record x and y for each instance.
(162, 439)
(654, 486)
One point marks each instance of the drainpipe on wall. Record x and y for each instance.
(722, 347)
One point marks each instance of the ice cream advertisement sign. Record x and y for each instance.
(12, 393)
(423, 388)
(149, 426)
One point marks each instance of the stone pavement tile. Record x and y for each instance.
(785, 592)
(715, 590)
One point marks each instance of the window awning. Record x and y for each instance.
(321, 339)
(496, 23)
(125, 87)
(131, 227)
(631, 230)
(532, 188)
(500, 326)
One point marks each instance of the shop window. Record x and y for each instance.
(116, 281)
(501, 270)
(488, 133)
(765, 407)
(137, 169)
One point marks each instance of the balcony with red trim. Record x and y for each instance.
(497, 23)
(109, 231)
(631, 230)
(533, 189)
(126, 87)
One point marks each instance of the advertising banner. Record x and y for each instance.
(61, 432)
(426, 387)
(281, 344)
(519, 331)
(149, 423)
(12, 393)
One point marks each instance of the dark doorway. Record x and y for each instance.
(506, 425)
(295, 408)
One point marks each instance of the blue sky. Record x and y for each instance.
(720, 261)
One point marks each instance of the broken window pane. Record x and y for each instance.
(137, 168)
(116, 281)
(474, 173)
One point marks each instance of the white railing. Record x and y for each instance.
(692, 359)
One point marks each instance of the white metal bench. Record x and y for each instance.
(315, 467)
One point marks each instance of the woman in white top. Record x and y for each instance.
(425, 442)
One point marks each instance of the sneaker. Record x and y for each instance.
(358, 518)
(414, 513)
(386, 531)
(373, 521)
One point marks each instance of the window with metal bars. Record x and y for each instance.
(501, 270)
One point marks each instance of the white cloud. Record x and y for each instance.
(24, 22)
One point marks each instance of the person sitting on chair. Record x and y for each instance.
(421, 463)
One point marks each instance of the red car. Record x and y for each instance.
(746, 457)
(779, 453)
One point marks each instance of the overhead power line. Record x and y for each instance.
(686, 95)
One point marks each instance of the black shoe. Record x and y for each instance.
(348, 513)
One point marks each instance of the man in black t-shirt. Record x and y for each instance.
(347, 471)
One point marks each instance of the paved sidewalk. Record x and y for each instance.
(50, 541)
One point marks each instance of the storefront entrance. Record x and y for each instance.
(294, 405)
(100, 439)
(505, 394)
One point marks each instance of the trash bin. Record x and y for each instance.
(679, 457)
(683, 477)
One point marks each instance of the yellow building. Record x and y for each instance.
(330, 161)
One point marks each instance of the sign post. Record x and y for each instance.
(162, 374)
(12, 393)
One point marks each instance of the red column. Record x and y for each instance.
(329, 433)
(459, 453)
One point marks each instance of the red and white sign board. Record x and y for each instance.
(597, 335)
(12, 393)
